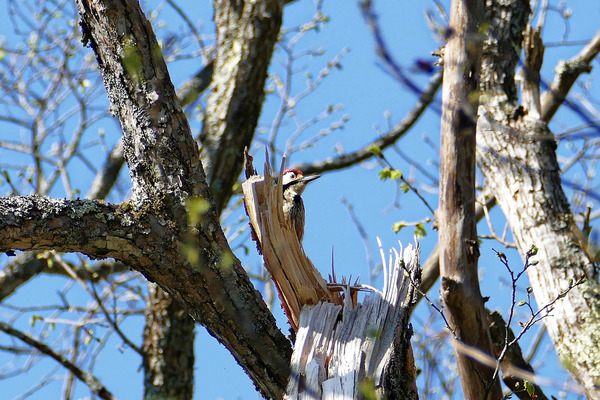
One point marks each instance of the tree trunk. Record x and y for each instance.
(168, 348)
(195, 265)
(456, 213)
(517, 155)
(246, 35)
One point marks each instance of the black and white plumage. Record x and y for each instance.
(294, 182)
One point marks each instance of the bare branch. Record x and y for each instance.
(567, 73)
(390, 138)
(87, 378)
(26, 266)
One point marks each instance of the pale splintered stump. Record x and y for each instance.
(350, 350)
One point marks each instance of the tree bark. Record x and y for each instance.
(246, 35)
(151, 233)
(456, 213)
(195, 265)
(517, 155)
(168, 348)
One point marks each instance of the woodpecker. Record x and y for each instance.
(294, 182)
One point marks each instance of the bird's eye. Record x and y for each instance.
(290, 175)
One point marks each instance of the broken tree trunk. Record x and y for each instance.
(344, 348)
(362, 350)
(297, 280)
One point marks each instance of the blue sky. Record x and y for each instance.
(371, 99)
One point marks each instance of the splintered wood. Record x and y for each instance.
(345, 352)
(297, 280)
(342, 344)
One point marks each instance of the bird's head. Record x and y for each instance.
(295, 180)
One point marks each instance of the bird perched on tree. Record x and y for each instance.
(294, 182)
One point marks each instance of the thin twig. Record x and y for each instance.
(90, 380)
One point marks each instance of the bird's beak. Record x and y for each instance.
(309, 178)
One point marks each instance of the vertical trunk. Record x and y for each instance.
(517, 155)
(360, 350)
(168, 348)
(246, 35)
(456, 213)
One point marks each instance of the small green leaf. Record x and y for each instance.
(385, 174)
(521, 303)
(397, 227)
(395, 175)
(420, 231)
(529, 387)
(376, 151)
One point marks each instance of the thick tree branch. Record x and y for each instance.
(86, 226)
(193, 264)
